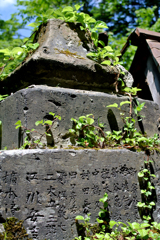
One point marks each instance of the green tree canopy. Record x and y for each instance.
(121, 16)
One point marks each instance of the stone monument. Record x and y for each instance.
(48, 188)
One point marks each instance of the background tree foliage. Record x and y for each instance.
(121, 16)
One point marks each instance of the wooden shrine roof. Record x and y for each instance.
(138, 36)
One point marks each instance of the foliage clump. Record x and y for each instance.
(106, 229)
(14, 230)
(86, 134)
(30, 142)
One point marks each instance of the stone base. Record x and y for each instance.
(35, 103)
(49, 188)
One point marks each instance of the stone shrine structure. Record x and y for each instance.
(48, 188)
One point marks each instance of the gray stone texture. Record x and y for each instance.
(61, 60)
(127, 77)
(35, 103)
(48, 188)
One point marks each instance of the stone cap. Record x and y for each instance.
(61, 60)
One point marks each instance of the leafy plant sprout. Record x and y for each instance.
(147, 204)
(86, 134)
(29, 141)
(105, 229)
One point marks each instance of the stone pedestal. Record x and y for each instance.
(49, 188)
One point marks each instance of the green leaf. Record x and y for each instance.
(79, 217)
(140, 204)
(2, 97)
(73, 119)
(94, 36)
(102, 43)
(17, 50)
(113, 105)
(90, 121)
(48, 134)
(34, 24)
(106, 62)
(100, 24)
(101, 125)
(112, 223)
(18, 122)
(92, 54)
(140, 174)
(71, 130)
(108, 48)
(78, 126)
(49, 122)
(58, 117)
(81, 119)
(39, 122)
(153, 175)
(33, 45)
(82, 28)
(49, 12)
(6, 51)
(67, 9)
(143, 191)
(152, 204)
(59, 13)
(144, 225)
(28, 131)
(125, 102)
(104, 199)
(51, 113)
(143, 232)
(77, 6)
(135, 225)
(99, 221)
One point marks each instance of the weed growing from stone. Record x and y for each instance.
(105, 54)
(147, 192)
(29, 141)
(105, 229)
(86, 133)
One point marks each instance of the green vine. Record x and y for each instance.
(147, 204)
(104, 229)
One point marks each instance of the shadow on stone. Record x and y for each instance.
(112, 121)
(140, 123)
(49, 139)
(20, 137)
(87, 229)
